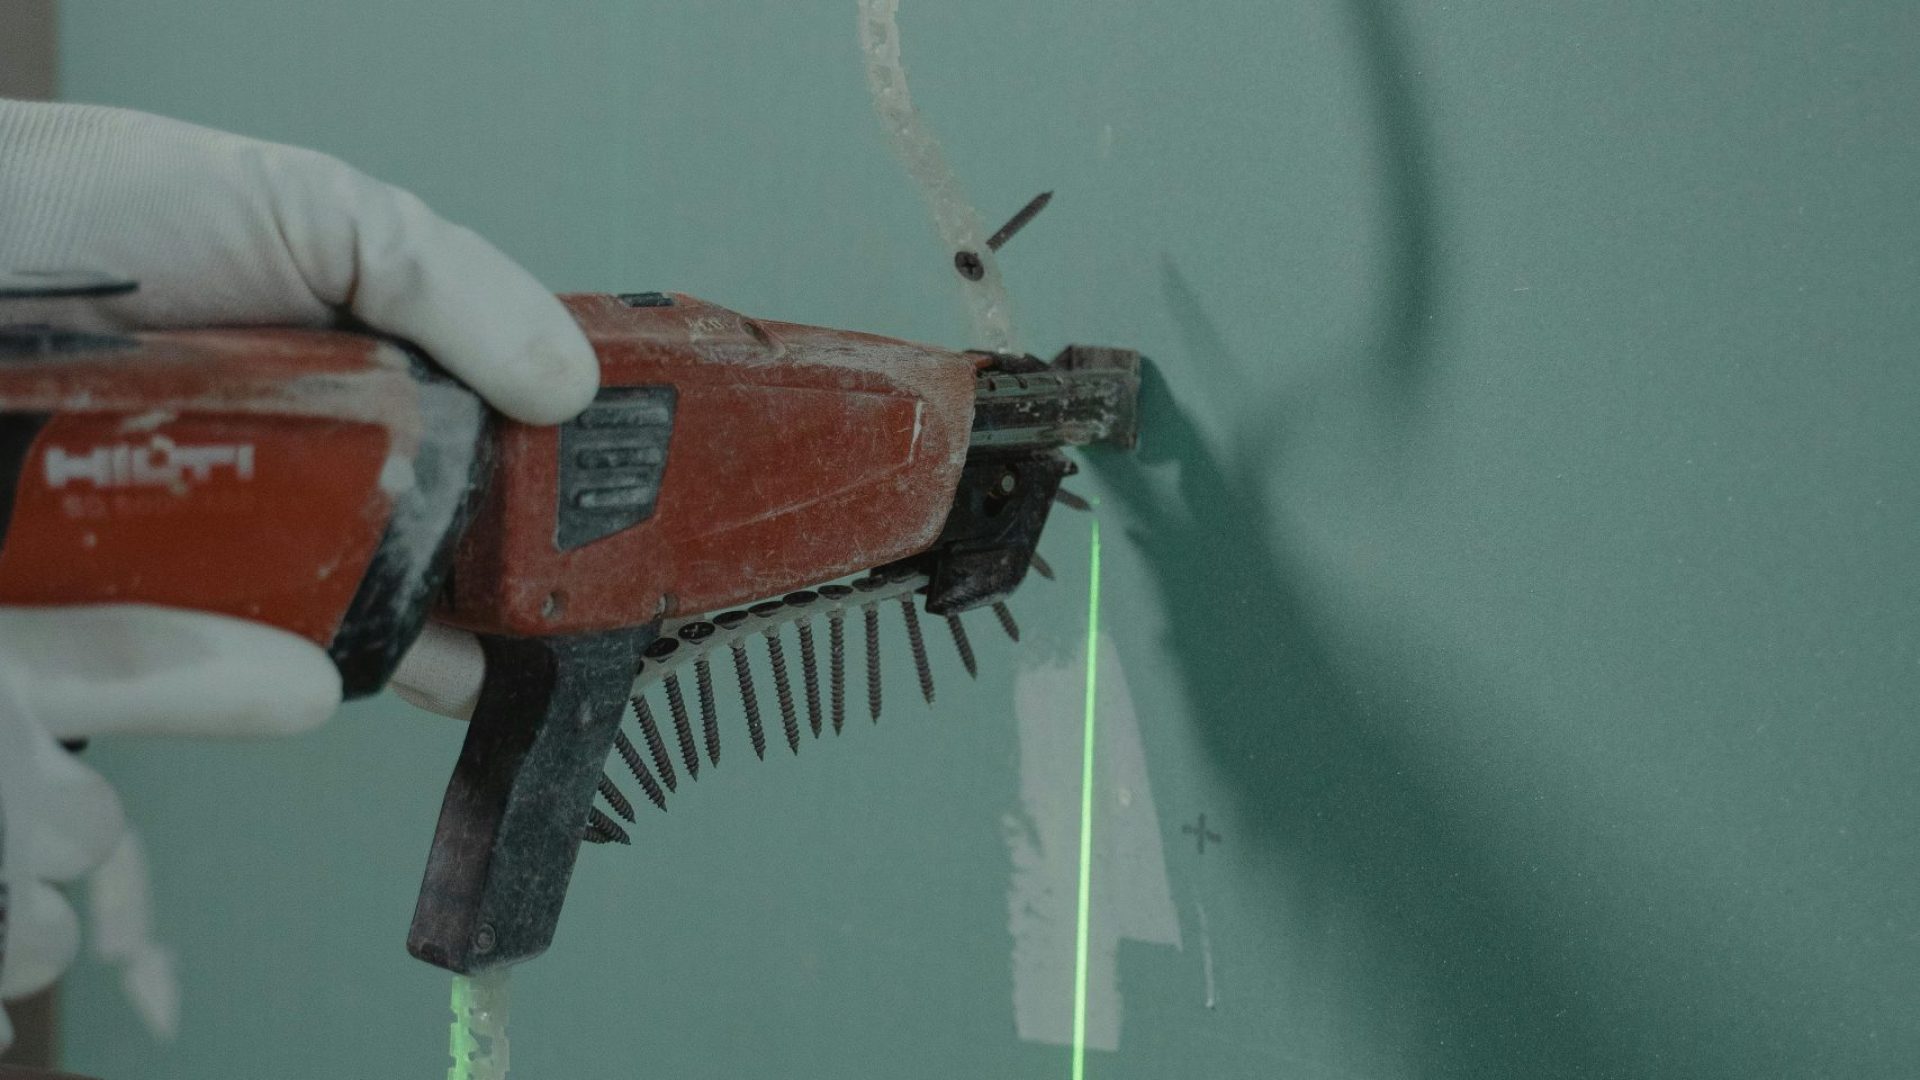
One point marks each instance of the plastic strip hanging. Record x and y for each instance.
(953, 215)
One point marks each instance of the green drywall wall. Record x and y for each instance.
(1519, 574)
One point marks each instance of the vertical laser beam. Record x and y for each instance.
(1086, 816)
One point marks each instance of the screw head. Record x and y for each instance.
(484, 938)
(969, 265)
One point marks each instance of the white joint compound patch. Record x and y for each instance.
(1131, 898)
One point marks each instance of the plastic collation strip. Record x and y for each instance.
(478, 1041)
(953, 215)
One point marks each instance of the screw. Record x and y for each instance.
(961, 645)
(810, 671)
(682, 726)
(756, 733)
(969, 265)
(614, 798)
(484, 939)
(918, 645)
(782, 688)
(872, 614)
(662, 762)
(631, 756)
(709, 716)
(1019, 220)
(1006, 620)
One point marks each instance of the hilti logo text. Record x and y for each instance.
(160, 462)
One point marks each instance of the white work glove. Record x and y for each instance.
(218, 230)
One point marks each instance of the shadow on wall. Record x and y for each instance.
(1399, 351)
(1347, 820)
(1351, 826)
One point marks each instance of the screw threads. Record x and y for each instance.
(600, 829)
(755, 732)
(837, 668)
(709, 716)
(682, 726)
(662, 762)
(919, 646)
(810, 672)
(631, 756)
(783, 689)
(614, 797)
(962, 646)
(1006, 620)
(872, 615)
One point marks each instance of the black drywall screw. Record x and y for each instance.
(1006, 620)
(600, 829)
(683, 726)
(961, 645)
(614, 797)
(1019, 220)
(662, 762)
(919, 646)
(782, 688)
(631, 756)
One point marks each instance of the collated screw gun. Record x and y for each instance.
(735, 478)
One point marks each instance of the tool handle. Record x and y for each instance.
(510, 824)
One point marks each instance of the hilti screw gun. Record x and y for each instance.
(337, 485)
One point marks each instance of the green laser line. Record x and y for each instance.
(1086, 817)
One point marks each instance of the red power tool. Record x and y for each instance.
(337, 485)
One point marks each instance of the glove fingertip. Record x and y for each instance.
(555, 380)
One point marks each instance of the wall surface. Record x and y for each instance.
(1518, 577)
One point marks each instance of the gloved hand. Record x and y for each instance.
(218, 230)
